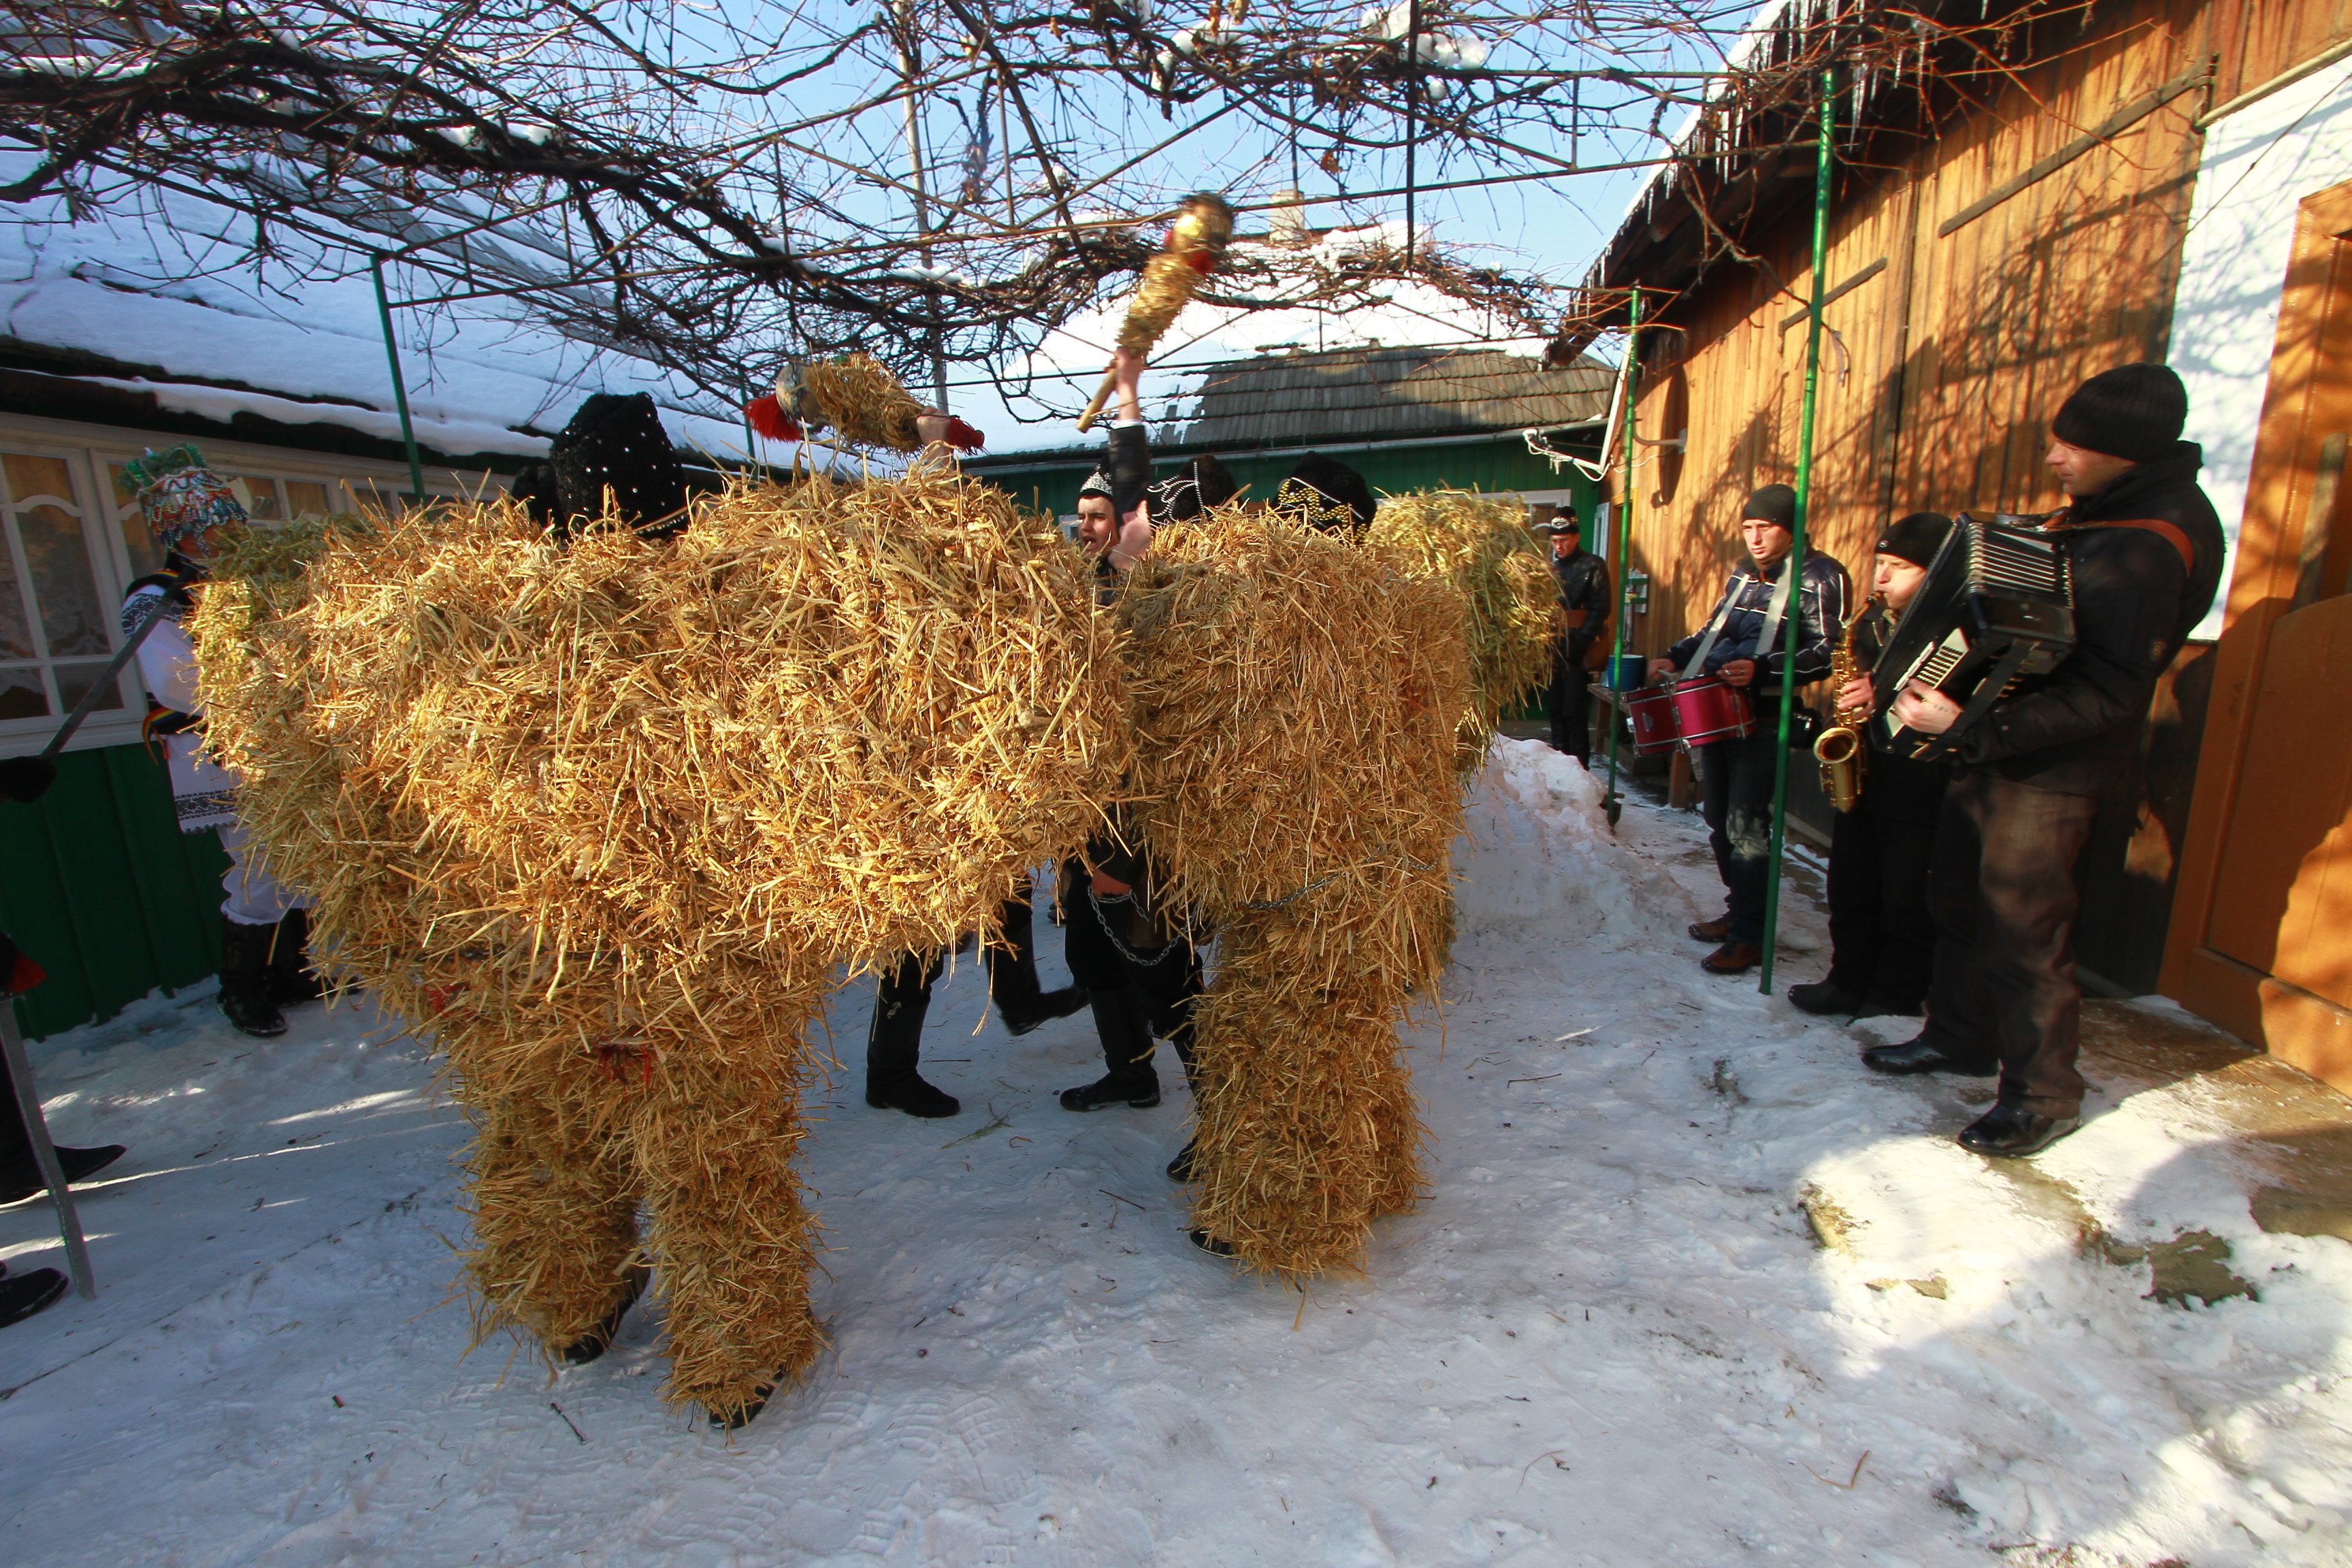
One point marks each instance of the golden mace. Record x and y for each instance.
(1196, 242)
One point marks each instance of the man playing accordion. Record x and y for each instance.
(2146, 551)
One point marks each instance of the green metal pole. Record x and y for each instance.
(1621, 524)
(399, 386)
(1822, 168)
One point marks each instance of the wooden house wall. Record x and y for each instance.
(1938, 373)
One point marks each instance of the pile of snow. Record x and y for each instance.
(1538, 859)
(1612, 1336)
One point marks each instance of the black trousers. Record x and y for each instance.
(1882, 938)
(1735, 781)
(1101, 960)
(16, 1141)
(894, 1044)
(1569, 700)
(2003, 897)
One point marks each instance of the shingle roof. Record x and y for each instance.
(1289, 400)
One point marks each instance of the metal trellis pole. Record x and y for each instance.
(1821, 169)
(1411, 115)
(1621, 523)
(399, 385)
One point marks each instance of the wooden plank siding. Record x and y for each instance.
(1940, 372)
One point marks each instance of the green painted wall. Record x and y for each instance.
(1502, 464)
(101, 887)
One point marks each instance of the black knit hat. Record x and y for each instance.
(2134, 412)
(1775, 504)
(1916, 538)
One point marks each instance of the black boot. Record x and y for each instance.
(245, 978)
(1048, 1006)
(1187, 1162)
(894, 1042)
(2011, 1131)
(1123, 1019)
(1922, 1055)
(20, 1178)
(291, 979)
(599, 1340)
(743, 1415)
(22, 1295)
(1823, 999)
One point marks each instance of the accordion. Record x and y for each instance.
(1997, 606)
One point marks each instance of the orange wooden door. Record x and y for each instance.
(2262, 932)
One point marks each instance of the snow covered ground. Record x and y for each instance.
(1610, 1336)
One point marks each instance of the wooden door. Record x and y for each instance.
(2262, 933)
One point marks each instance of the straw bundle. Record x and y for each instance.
(857, 398)
(605, 818)
(1293, 701)
(1482, 549)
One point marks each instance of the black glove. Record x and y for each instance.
(27, 778)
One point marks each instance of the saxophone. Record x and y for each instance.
(1839, 749)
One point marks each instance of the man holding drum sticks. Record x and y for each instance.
(1737, 668)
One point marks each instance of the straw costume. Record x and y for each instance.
(605, 817)
(264, 923)
(1296, 793)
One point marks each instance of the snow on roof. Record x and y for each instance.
(219, 343)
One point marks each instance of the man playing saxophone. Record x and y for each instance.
(1881, 939)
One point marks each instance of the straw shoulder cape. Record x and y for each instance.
(204, 793)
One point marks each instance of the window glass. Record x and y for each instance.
(304, 499)
(15, 624)
(21, 696)
(146, 556)
(33, 478)
(51, 609)
(65, 591)
(260, 497)
(74, 682)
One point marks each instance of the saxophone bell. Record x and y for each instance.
(1839, 749)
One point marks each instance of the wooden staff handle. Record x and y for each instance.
(1102, 396)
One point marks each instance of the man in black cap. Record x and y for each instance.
(1746, 643)
(1325, 493)
(1584, 597)
(1881, 939)
(2147, 552)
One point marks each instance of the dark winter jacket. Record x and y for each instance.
(1819, 606)
(1897, 787)
(2137, 598)
(1583, 585)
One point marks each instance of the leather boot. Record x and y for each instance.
(1123, 1019)
(291, 979)
(245, 978)
(1716, 930)
(1733, 958)
(2011, 1131)
(894, 1046)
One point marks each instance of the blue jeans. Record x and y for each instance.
(1735, 781)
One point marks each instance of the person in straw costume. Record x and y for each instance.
(190, 509)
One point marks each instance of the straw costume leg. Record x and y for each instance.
(1307, 1127)
(714, 1135)
(555, 1207)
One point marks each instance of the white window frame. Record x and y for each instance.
(90, 452)
(101, 544)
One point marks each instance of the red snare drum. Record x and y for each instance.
(1651, 712)
(1711, 709)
